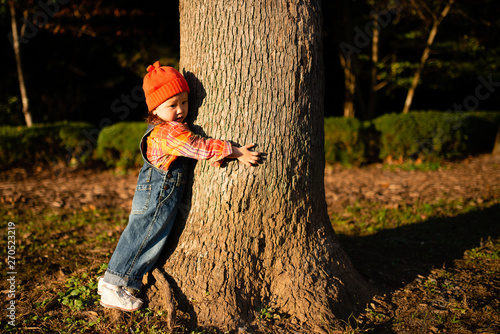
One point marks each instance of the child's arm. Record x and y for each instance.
(243, 154)
(174, 138)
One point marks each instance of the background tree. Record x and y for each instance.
(348, 61)
(357, 29)
(432, 15)
(496, 146)
(345, 44)
(92, 52)
(383, 14)
(463, 50)
(258, 237)
(79, 57)
(15, 37)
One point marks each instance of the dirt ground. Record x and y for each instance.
(469, 179)
(65, 188)
(417, 293)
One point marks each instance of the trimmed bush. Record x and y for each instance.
(344, 141)
(44, 143)
(118, 144)
(431, 135)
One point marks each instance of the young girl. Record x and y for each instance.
(160, 184)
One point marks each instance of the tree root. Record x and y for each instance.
(161, 296)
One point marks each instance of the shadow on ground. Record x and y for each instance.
(392, 258)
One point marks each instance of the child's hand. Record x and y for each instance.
(243, 154)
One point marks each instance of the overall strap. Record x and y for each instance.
(144, 143)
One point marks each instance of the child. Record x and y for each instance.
(160, 184)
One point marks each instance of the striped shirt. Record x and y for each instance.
(169, 140)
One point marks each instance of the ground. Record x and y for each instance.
(425, 236)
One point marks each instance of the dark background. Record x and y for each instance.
(87, 60)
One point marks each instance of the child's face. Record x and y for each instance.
(173, 109)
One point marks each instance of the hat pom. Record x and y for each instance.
(152, 67)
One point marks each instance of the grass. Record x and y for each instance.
(370, 218)
(461, 299)
(438, 264)
(411, 165)
(59, 258)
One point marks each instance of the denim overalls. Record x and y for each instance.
(154, 207)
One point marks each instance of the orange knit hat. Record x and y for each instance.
(161, 83)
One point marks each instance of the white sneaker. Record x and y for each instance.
(118, 297)
(100, 284)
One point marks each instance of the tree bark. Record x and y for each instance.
(17, 52)
(350, 85)
(259, 237)
(347, 62)
(372, 101)
(425, 55)
(496, 147)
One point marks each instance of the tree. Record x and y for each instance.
(356, 27)
(17, 51)
(257, 237)
(496, 146)
(436, 17)
(348, 61)
(382, 14)
(375, 59)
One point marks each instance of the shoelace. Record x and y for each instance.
(129, 294)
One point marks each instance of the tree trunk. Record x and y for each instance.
(17, 52)
(425, 55)
(496, 147)
(347, 62)
(373, 85)
(350, 85)
(258, 237)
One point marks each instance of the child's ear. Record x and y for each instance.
(154, 111)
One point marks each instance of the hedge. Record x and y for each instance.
(45, 143)
(427, 135)
(344, 141)
(118, 144)
(436, 135)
